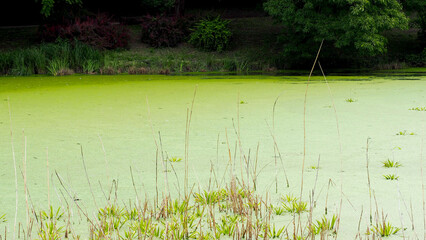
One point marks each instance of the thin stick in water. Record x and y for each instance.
(304, 121)
(105, 157)
(188, 124)
(369, 183)
(25, 183)
(423, 191)
(48, 178)
(87, 176)
(14, 166)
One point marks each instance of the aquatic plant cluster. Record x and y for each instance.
(418, 108)
(234, 211)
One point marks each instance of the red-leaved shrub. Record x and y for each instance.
(99, 32)
(164, 31)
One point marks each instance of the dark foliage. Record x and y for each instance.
(351, 30)
(164, 31)
(98, 32)
(417, 60)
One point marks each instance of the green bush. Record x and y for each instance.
(212, 34)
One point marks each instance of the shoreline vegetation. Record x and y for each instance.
(20, 54)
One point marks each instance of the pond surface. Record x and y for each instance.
(109, 119)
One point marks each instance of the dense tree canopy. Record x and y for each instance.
(353, 25)
(418, 7)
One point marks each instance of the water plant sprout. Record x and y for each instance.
(404, 133)
(350, 100)
(418, 109)
(391, 164)
(391, 177)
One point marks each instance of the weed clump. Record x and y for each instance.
(292, 204)
(418, 109)
(385, 228)
(350, 100)
(391, 177)
(404, 133)
(391, 164)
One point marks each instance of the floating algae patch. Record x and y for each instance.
(129, 128)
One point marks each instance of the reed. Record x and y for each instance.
(14, 167)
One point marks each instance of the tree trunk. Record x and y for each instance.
(179, 8)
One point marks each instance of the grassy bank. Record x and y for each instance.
(254, 48)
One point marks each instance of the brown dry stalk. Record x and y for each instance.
(304, 120)
(105, 157)
(87, 176)
(188, 124)
(369, 183)
(423, 191)
(25, 184)
(14, 166)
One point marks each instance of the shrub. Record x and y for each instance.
(417, 60)
(164, 31)
(98, 32)
(211, 34)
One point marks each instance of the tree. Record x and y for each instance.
(354, 26)
(419, 8)
(47, 6)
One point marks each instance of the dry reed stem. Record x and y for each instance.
(304, 127)
(166, 180)
(312, 198)
(276, 149)
(105, 157)
(399, 209)
(240, 146)
(369, 183)
(188, 124)
(157, 149)
(87, 176)
(326, 197)
(423, 191)
(304, 120)
(340, 146)
(134, 186)
(25, 183)
(14, 167)
(73, 200)
(254, 177)
(48, 178)
(359, 222)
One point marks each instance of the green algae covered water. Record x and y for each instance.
(117, 123)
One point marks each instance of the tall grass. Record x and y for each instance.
(58, 58)
(65, 57)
